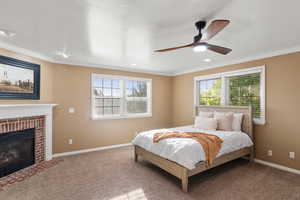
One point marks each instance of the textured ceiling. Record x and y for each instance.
(119, 33)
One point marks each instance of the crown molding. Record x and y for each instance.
(25, 52)
(111, 67)
(34, 54)
(241, 60)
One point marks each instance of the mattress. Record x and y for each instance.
(188, 152)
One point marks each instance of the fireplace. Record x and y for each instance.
(17, 151)
(25, 141)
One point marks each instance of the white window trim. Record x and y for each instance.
(224, 95)
(123, 78)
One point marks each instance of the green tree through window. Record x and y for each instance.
(210, 92)
(244, 90)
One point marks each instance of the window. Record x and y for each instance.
(120, 97)
(235, 88)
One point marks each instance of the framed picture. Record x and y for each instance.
(19, 79)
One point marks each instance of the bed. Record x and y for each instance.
(171, 154)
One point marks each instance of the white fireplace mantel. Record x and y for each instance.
(8, 111)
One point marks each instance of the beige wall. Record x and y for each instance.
(72, 89)
(281, 133)
(69, 86)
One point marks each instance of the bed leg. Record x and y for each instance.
(252, 155)
(184, 180)
(135, 155)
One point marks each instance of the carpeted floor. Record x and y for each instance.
(113, 175)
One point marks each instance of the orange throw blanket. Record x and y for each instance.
(211, 144)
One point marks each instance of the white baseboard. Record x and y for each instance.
(91, 150)
(281, 167)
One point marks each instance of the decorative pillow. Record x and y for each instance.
(224, 120)
(206, 123)
(206, 114)
(237, 121)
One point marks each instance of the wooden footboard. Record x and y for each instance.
(183, 173)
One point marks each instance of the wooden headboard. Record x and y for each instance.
(247, 126)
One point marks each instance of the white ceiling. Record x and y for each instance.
(118, 33)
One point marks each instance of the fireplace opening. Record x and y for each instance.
(16, 151)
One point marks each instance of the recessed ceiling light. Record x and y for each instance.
(133, 64)
(7, 33)
(207, 60)
(200, 48)
(63, 54)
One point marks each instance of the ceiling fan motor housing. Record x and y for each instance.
(200, 25)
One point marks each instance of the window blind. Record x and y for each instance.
(244, 90)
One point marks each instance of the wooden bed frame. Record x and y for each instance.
(183, 173)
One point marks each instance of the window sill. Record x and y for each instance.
(122, 116)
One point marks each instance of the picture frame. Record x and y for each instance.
(19, 79)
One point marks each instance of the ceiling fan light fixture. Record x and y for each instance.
(200, 48)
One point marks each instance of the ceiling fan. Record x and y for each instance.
(200, 41)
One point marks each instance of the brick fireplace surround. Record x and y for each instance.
(41, 123)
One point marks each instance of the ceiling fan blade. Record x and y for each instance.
(215, 27)
(218, 49)
(174, 48)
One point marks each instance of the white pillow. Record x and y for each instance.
(206, 114)
(206, 123)
(224, 120)
(237, 121)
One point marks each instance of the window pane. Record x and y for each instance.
(107, 83)
(129, 92)
(107, 110)
(116, 102)
(137, 106)
(98, 102)
(116, 92)
(107, 92)
(115, 84)
(129, 84)
(108, 102)
(244, 90)
(209, 92)
(116, 110)
(136, 88)
(97, 83)
(98, 92)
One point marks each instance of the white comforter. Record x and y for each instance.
(188, 152)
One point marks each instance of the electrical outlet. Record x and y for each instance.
(70, 141)
(292, 155)
(270, 153)
(71, 110)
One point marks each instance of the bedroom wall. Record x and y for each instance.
(69, 86)
(281, 133)
(72, 89)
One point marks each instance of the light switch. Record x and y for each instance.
(72, 110)
(270, 153)
(292, 155)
